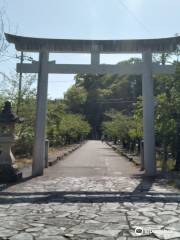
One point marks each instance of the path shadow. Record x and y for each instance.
(145, 183)
(4, 186)
(142, 193)
(86, 197)
(105, 148)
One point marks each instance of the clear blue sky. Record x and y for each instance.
(89, 19)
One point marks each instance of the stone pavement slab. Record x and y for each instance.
(97, 206)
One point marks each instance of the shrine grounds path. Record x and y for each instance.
(92, 194)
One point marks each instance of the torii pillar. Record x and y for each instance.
(40, 125)
(148, 114)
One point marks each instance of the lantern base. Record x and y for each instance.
(9, 173)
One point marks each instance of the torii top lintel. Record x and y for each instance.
(29, 44)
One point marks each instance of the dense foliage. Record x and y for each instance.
(97, 94)
(113, 107)
(63, 127)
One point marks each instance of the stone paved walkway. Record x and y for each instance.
(90, 204)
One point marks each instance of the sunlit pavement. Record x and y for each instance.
(92, 194)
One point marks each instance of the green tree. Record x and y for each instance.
(136, 126)
(24, 131)
(56, 111)
(75, 99)
(117, 128)
(73, 128)
(105, 92)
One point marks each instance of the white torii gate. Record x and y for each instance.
(95, 48)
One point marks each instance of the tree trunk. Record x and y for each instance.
(177, 165)
(165, 157)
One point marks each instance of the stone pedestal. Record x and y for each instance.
(8, 169)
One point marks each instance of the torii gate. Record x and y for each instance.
(95, 47)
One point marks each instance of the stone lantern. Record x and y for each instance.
(8, 169)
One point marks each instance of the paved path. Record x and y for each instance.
(94, 159)
(92, 194)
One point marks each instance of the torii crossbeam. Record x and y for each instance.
(95, 47)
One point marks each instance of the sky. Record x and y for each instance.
(87, 19)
